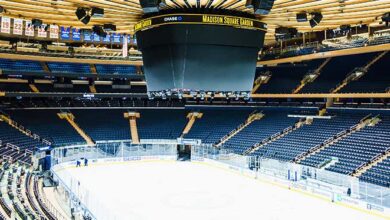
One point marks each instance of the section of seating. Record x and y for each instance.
(356, 149)
(271, 123)
(20, 196)
(286, 77)
(20, 65)
(14, 87)
(103, 124)
(379, 174)
(216, 123)
(376, 79)
(306, 137)
(19, 143)
(349, 153)
(161, 124)
(48, 125)
(57, 67)
(116, 69)
(336, 71)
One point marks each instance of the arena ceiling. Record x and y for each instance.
(125, 13)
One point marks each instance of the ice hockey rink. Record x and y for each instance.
(184, 190)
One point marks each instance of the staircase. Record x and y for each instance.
(33, 88)
(276, 136)
(191, 120)
(23, 130)
(357, 73)
(363, 123)
(70, 118)
(310, 77)
(260, 80)
(376, 160)
(132, 117)
(379, 158)
(251, 118)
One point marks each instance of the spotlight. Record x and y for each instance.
(202, 95)
(109, 27)
(162, 3)
(86, 19)
(36, 22)
(150, 6)
(260, 7)
(247, 96)
(386, 18)
(345, 28)
(237, 96)
(150, 95)
(98, 29)
(316, 19)
(284, 33)
(82, 15)
(301, 17)
(97, 12)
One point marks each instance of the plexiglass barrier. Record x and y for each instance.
(333, 186)
(337, 187)
(80, 198)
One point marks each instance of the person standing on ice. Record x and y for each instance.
(85, 162)
(78, 163)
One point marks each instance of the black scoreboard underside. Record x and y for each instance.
(199, 57)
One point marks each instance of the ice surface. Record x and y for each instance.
(192, 191)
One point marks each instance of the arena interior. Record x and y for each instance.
(194, 109)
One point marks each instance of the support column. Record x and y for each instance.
(92, 67)
(132, 117)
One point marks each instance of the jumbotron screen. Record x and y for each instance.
(200, 52)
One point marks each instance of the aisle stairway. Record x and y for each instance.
(69, 117)
(192, 116)
(276, 136)
(251, 118)
(332, 140)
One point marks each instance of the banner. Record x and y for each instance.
(29, 29)
(87, 36)
(134, 39)
(116, 38)
(41, 31)
(65, 33)
(18, 26)
(5, 25)
(212, 19)
(107, 39)
(95, 37)
(125, 48)
(76, 35)
(54, 31)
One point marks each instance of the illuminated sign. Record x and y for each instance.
(233, 21)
